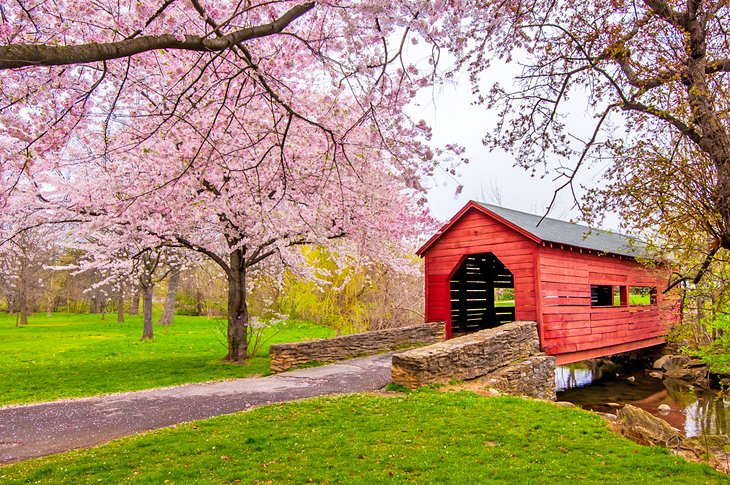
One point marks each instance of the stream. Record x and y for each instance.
(595, 385)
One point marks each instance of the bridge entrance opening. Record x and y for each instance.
(482, 294)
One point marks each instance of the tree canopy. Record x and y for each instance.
(244, 130)
(240, 131)
(654, 74)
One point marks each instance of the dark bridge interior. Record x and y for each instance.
(478, 299)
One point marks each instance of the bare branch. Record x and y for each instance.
(219, 261)
(700, 272)
(583, 155)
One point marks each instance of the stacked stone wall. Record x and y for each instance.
(506, 358)
(287, 356)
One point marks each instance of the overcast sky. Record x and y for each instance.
(454, 119)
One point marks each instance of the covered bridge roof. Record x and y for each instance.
(554, 231)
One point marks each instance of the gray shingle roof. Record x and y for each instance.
(562, 232)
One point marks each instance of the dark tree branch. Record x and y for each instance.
(25, 55)
(665, 11)
(261, 253)
(683, 128)
(200, 249)
(671, 284)
(700, 272)
(664, 77)
(718, 65)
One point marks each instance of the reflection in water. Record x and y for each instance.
(581, 374)
(707, 416)
(570, 377)
(595, 385)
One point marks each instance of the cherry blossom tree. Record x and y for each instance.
(240, 131)
(24, 275)
(81, 71)
(240, 210)
(116, 258)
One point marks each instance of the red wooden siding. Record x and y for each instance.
(475, 233)
(552, 285)
(571, 325)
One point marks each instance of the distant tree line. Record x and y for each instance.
(39, 276)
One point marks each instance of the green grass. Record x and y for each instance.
(422, 437)
(642, 300)
(79, 355)
(504, 303)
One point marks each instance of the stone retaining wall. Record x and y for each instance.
(533, 377)
(507, 358)
(286, 356)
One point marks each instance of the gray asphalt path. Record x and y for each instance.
(46, 428)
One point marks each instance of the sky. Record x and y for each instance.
(491, 176)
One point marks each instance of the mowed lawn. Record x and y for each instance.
(423, 437)
(71, 355)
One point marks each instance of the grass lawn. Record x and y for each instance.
(504, 303)
(79, 355)
(423, 437)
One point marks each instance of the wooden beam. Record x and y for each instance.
(571, 357)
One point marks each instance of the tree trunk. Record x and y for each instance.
(102, 307)
(168, 313)
(237, 309)
(715, 140)
(23, 308)
(134, 309)
(147, 287)
(49, 305)
(120, 303)
(94, 304)
(198, 302)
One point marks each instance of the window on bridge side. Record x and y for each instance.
(609, 295)
(642, 295)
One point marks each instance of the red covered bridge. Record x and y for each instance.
(490, 265)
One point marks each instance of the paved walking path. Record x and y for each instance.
(42, 429)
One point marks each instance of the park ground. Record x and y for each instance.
(421, 437)
(72, 355)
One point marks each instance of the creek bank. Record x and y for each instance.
(667, 388)
(666, 401)
(683, 368)
(640, 426)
